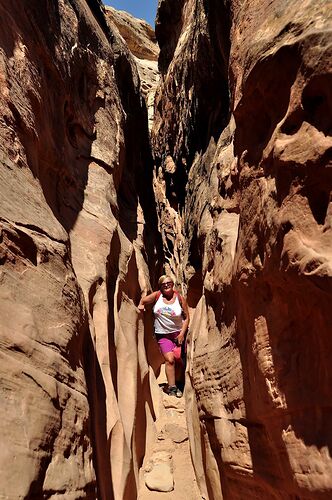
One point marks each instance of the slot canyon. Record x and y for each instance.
(201, 149)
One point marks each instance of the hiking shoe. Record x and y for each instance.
(174, 391)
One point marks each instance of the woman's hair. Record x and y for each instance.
(163, 278)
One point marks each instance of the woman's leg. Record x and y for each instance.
(169, 367)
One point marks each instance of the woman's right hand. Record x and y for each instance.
(146, 300)
(141, 308)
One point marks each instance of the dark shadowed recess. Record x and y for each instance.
(136, 184)
(58, 145)
(207, 75)
(98, 10)
(266, 97)
(317, 103)
(112, 276)
(135, 136)
(176, 186)
(265, 101)
(195, 287)
(300, 353)
(168, 29)
(211, 110)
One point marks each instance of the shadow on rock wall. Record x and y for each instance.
(74, 171)
(256, 241)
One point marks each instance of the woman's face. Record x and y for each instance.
(167, 287)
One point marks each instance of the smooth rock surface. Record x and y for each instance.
(75, 251)
(159, 475)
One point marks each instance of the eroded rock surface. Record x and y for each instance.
(138, 34)
(75, 252)
(142, 43)
(242, 138)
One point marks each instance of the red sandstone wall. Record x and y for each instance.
(243, 116)
(75, 252)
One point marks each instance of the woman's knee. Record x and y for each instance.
(169, 358)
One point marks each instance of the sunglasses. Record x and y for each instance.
(167, 284)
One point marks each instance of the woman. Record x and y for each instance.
(171, 320)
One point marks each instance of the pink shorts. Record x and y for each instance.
(167, 344)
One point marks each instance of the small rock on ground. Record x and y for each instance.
(160, 478)
(176, 433)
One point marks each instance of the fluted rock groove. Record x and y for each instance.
(78, 244)
(202, 149)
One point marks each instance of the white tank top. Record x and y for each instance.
(167, 317)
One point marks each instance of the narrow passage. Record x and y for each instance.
(167, 472)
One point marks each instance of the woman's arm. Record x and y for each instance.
(185, 324)
(148, 299)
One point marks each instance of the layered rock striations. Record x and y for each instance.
(142, 43)
(77, 243)
(138, 34)
(242, 139)
(191, 105)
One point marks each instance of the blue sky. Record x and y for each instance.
(143, 9)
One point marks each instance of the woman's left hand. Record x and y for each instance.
(180, 338)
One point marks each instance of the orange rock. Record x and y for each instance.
(76, 184)
(243, 110)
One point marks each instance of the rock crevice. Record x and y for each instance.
(241, 194)
(78, 243)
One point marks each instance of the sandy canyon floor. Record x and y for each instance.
(168, 463)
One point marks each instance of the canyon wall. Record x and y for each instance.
(77, 245)
(242, 142)
(141, 41)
